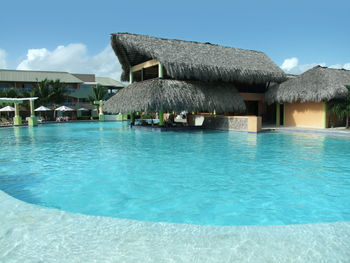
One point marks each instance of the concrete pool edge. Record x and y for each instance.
(32, 233)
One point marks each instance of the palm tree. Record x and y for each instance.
(341, 108)
(42, 91)
(58, 91)
(98, 93)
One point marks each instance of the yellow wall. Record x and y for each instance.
(307, 114)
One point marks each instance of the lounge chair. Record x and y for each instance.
(5, 122)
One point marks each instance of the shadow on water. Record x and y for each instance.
(17, 187)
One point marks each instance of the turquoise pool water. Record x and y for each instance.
(202, 177)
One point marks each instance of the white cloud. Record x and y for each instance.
(73, 58)
(336, 66)
(289, 63)
(2, 58)
(291, 66)
(346, 66)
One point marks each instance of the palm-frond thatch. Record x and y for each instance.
(185, 60)
(166, 94)
(317, 84)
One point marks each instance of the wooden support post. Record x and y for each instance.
(131, 76)
(160, 70)
(132, 118)
(278, 114)
(161, 117)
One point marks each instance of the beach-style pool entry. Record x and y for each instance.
(201, 177)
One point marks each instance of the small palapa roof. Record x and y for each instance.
(317, 84)
(187, 60)
(166, 94)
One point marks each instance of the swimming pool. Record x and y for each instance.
(202, 177)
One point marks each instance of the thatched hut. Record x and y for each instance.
(166, 94)
(168, 74)
(304, 97)
(188, 60)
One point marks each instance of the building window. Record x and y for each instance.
(70, 88)
(4, 86)
(27, 87)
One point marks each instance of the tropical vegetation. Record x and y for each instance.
(48, 92)
(98, 93)
(340, 108)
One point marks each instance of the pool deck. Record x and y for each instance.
(329, 131)
(30, 233)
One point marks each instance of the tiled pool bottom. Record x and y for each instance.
(29, 233)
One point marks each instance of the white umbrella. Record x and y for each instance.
(42, 108)
(64, 108)
(83, 109)
(7, 108)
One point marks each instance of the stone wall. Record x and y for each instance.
(236, 123)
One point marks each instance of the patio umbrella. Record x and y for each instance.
(83, 109)
(42, 108)
(7, 109)
(64, 108)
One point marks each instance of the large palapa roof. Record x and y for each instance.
(166, 94)
(186, 60)
(317, 84)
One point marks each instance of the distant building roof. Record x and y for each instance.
(109, 82)
(82, 93)
(85, 77)
(34, 76)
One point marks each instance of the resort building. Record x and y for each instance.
(24, 80)
(301, 101)
(175, 75)
(79, 86)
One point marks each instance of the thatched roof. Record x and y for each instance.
(185, 60)
(317, 84)
(166, 94)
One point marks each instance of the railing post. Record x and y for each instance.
(32, 120)
(17, 120)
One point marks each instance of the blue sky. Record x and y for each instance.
(74, 35)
